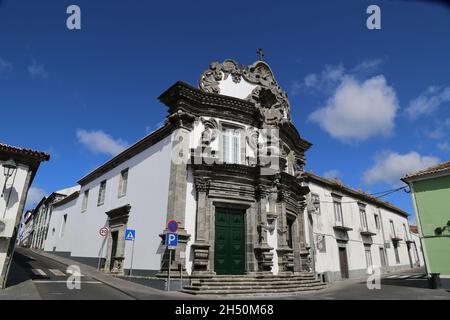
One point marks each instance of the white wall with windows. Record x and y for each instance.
(142, 182)
(368, 231)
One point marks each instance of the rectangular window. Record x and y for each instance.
(397, 257)
(363, 217)
(316, 202)
(392, 228)
(85, 201)
(383, 257)
(368, 253)
(101, 193)
(123, 183)
(377, 221)
(338, 212)
(231, 146)
(63, 226)
(406, 232)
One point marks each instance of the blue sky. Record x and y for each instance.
(375, 103)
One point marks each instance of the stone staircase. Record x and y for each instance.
(254, 285)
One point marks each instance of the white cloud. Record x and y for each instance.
(34, 196)
(332, 174)
(368, 66)
(100, 142)
(358, 111)
(428, 102)
(389, 167)
(37, 70)
(444, 146)
(5, 66)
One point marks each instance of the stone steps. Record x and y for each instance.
(251, 285)
(253, 282)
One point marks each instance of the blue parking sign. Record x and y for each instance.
(171, 240)
(130, 235)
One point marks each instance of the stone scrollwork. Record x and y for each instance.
(209, 80)
(252, 139)
(210, 133)
(267, 96)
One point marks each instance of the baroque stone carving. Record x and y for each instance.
(268, 96)
(210, 133)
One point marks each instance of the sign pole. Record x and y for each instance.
(132, 256)
(181, 274)
(168, 274)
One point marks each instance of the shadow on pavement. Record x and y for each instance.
(20, 270)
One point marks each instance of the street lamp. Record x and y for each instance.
(9, 167)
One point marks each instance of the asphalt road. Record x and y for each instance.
(50, 280)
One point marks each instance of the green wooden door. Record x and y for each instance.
(229, 248)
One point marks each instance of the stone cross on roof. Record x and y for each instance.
(260, 53)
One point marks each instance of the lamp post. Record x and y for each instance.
(9, 167)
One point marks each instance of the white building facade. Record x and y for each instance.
(350, 232)
(18, 167)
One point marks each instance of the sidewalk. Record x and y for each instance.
(19, 285)
(132, 289)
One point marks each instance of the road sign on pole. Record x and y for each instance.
(172, 226)
(130, 234)
(171, 243)
(103, 231)
(171, 240)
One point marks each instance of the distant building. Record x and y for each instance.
(416, 247)
(26, 229)
(18, 167)
(430, 189)
(349, 231)
(42, 214)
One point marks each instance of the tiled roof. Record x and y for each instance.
(337, 185)
(434, 169)
(42, 156)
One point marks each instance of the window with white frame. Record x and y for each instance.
(101, 193)
(368, 253)
(85, 201)
(363, 217)
(377, 221)
(63, 226)
(123, 183)
(338, 212)
(231, 145)
(315, 200)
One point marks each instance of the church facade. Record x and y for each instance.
(228, 166)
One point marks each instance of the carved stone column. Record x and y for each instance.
(264, 253)
(201, 247)
(305, 258)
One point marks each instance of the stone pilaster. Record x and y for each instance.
(202, 245)
(176, 204)
(264, 253)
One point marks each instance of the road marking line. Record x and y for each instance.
(65, 281)
(39, 272)
(57, 272)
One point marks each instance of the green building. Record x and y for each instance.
(430, 189)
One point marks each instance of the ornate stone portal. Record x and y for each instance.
(271, 198)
